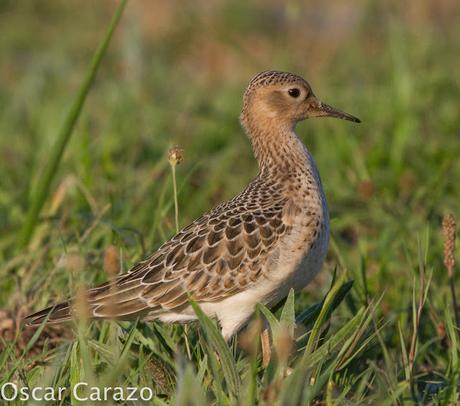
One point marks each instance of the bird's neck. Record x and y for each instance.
(279, 150)
(285, 162)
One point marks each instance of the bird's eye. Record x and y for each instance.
(294, 92)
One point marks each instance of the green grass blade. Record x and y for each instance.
(124, 356)
(295, 386)
(337, 339)
(288, 314)
(75, 370)
(324, 313)
(41, 192)
(310, 314)
(189, 389)
(452, 390)
(272, 320)
(217, 341)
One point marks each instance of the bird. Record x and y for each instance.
(270, 238)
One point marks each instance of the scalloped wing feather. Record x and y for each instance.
(218, 255)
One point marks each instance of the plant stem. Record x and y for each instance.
(176, 203)
(454, 301)
(449, 230)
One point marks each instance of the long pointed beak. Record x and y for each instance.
(321, 109)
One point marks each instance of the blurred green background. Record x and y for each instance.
(174, 74)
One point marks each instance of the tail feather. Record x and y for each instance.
(122, 299)
(121, 302)
(53, 314)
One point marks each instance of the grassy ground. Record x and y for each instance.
(174, 75)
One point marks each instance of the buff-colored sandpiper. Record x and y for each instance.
(270, 238)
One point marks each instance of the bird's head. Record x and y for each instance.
(284, 98)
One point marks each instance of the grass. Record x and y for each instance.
(174, 76)
(38, 199)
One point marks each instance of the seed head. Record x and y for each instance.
(175, 155)
(283, 344)
(82, 311)
(74, 262)
(449, 231)
(111, 261)
(249, 339)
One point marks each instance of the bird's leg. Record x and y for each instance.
(265, 341)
